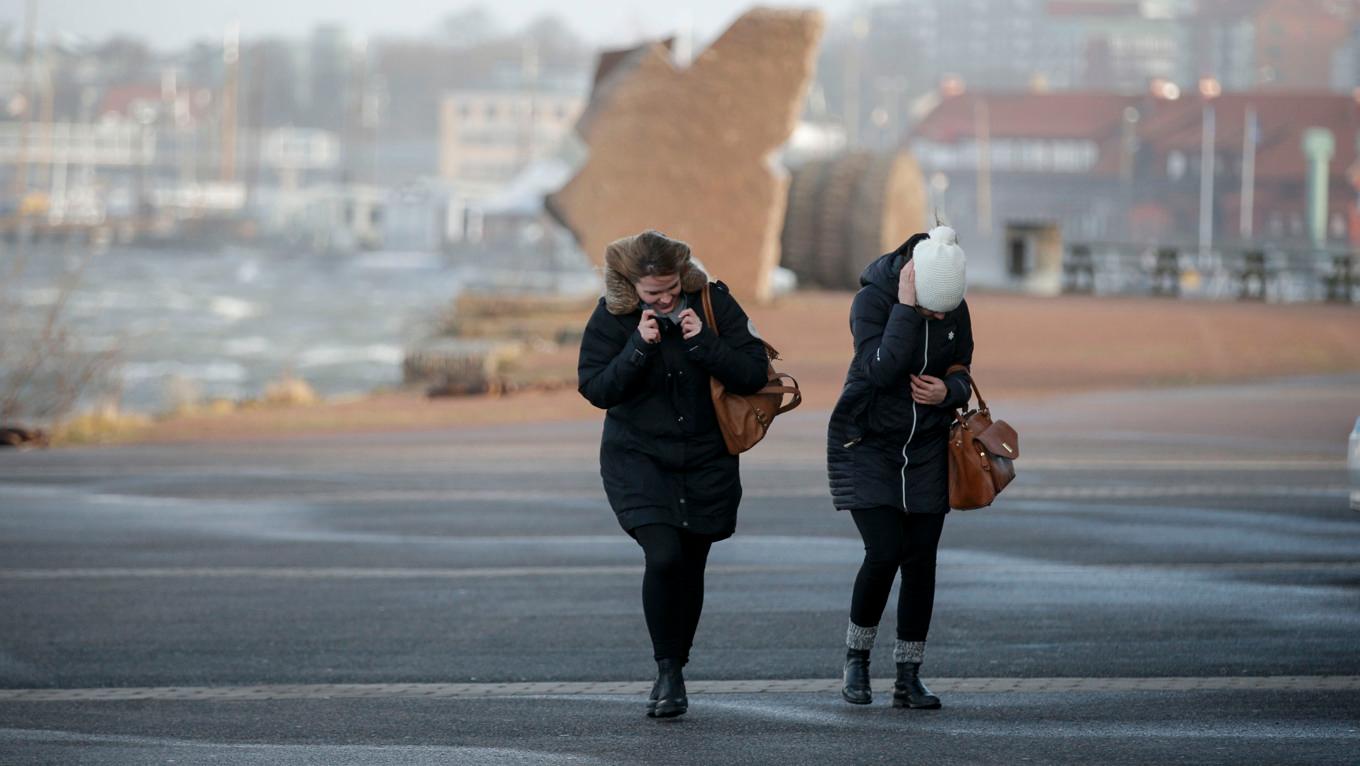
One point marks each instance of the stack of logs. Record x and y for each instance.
(498, 343)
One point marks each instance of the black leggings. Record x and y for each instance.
(895, 540)
(672, 587)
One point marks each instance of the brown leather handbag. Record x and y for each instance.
(744, 420)
(981, 454)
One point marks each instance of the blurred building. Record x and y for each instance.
(902, 51)
(1113, 45)
(331, 129)
(329, 77)
(1276, 44)
(996, 43)
(275, 87)
(488, 137)
(877, 71)
(12, 84)
(1005, 168)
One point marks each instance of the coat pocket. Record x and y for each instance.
(875, 474)
(632, 480)
(714, 481)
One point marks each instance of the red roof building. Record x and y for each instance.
(124, 100)
(1120, 168)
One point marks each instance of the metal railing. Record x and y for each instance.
(1256, 272)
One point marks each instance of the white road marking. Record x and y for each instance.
(396, 573)
(753, 686)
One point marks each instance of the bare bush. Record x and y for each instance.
(46, 372)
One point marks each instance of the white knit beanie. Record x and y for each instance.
(940, 278)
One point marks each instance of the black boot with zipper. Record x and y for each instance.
(909, 692)
(670, 695)
(856, 690)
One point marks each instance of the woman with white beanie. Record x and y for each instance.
(886, 445)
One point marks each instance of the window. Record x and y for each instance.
(1073, 156)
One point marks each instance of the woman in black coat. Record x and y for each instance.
(886, 445)
(647, 359)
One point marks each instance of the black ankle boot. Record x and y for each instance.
(856, 689)
(670, 691)
(656, 688)
(651, 699)
(909, 691)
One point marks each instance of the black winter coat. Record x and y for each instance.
(883, 449)
(662, 455)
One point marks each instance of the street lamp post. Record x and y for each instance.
(1210, 89)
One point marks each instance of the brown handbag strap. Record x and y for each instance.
(712, 322)
(708, 310)
(982, 405)
(781, 390)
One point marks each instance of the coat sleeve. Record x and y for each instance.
(885, 337)
(611, 363)
(731, 354)
(959, 385)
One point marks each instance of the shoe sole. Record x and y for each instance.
(663, 711)
(854, 701)
(908, 705)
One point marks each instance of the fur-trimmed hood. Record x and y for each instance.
(620, 297)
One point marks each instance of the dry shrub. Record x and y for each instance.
(46, 372)
(290, 391)
(101, 425)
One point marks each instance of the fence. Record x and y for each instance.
(1259, 273)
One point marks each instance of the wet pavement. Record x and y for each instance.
(1175, 577)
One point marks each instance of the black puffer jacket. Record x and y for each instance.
(662, 456)
(883, 449)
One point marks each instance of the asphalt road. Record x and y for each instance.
(1175, 577)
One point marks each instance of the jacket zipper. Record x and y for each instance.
(925, 361)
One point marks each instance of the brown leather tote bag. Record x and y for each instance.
(744, 420)
(982, 454)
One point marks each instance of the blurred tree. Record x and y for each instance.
(202, 64)
(274, 83)
(470, 26)
(125, 60)
(46, 370)
(551, 32)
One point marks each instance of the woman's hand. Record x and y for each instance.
(690, 324)
(648, 328)
(906, 285)
(927, 389)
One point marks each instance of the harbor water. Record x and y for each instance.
(225, 322)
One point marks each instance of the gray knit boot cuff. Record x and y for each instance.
(857, 637)
(909, 651)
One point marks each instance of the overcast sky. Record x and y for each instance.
(172, 23)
